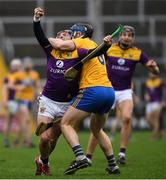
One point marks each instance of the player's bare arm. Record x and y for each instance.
(59, 44)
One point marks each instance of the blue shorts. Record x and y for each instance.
(94, 99)
(27, 104)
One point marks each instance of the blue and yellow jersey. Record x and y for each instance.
(94, 71)
(154, 88)
(121, 65)
(28, 80)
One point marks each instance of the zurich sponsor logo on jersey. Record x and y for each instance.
(121, 61)
(59, 64)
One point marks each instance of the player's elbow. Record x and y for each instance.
(60, 44)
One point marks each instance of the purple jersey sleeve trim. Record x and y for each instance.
(82, 52)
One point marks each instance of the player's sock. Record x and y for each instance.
(78, 152)
(89, 156)
(43, 160)
(111, 160)
(122, 152)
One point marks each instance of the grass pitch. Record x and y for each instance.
(146, 159)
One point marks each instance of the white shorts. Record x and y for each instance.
(12, 106)
(122, 95)
(150, 107)
(52, 109)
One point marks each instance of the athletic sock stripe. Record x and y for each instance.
(79, 149)
(112, 164)
(76, 147)
(111, 160)
(79, 154)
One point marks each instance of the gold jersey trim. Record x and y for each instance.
(131, 53)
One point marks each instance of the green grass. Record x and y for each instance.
(146, 159)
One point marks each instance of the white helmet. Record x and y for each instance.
(15, 63)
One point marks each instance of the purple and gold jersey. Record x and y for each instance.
(56, 87)
(154, 88)
(121, 65)
(94, 72)
(11, 92)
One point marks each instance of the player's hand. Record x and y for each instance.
(152, 66)
(38, 13)
(108, 40)
(151, 63)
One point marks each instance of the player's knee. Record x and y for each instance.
(127, 120)
(95, 131)
(44, 139)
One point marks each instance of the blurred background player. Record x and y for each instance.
(121, 59)
(96, 95)
(154, 103)
(30, 82)
(8, 98)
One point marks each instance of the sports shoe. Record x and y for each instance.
(38, 167)
(42, 168)
(121, 160)
(113, 170)
(75, 165)
(89, 161)
(46, 169)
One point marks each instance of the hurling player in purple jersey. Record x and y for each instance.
(154, 103)
(121, 62)
(56, 93)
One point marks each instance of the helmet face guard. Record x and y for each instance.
(85, 29)
(129, 29)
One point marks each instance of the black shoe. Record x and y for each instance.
(75, 165)
(121, 160)
(113, 170)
